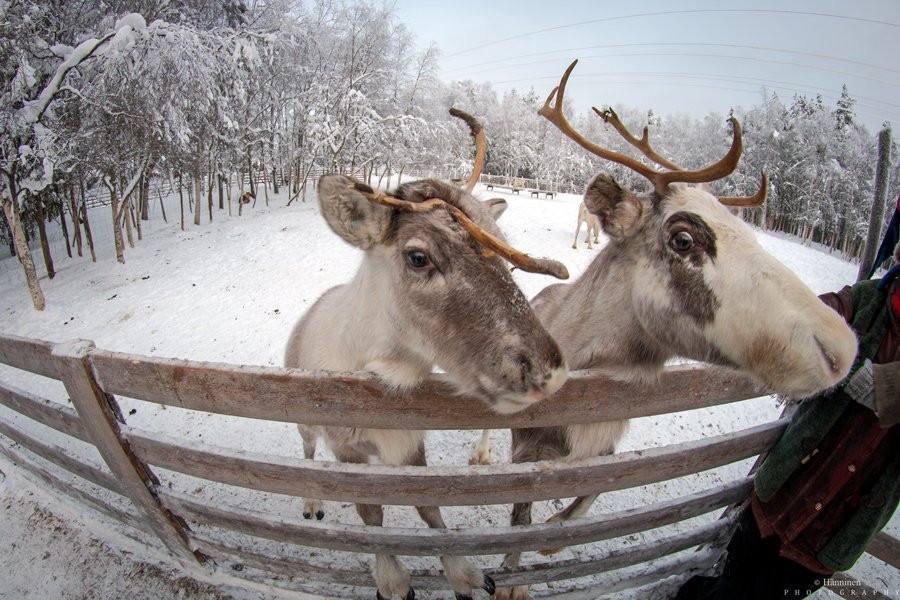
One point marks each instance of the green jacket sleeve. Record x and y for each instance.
(887, 392)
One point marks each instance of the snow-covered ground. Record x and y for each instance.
(230, 291)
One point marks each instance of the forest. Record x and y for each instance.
(113, 96)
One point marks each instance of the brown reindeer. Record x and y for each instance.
(432, 289)
(681, 276)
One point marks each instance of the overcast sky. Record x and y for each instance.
(693, 56)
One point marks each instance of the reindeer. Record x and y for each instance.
(680, 276)
(431, 289)
(593, 227)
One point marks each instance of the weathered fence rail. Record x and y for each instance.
(186, 525)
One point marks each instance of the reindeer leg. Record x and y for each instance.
(310, 506)
(391, 577)
(462, 574)
(577, 230)
(521, 515)
(576, 510)
(481, 455)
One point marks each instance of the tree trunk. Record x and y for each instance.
(162, 206)
(87, 223)
(145, 198)
(128, 217)
(61, 207)
(250, 174)
(76, 222)
(198, 193)
(209, 189)
(274, 180)
(228, 192)
(876, 217)
(42, 234)
(134, 217)
(219, 178)
(116, 222)
(181, 198)
(14, 218)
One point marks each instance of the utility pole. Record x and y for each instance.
(876, 217)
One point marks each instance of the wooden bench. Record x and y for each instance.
(537, 193)
(515, 187)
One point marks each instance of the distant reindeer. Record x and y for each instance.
(432, 289)
(593, 227)
(680, 276)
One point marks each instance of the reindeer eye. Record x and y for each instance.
(682, 241)
(417, 259)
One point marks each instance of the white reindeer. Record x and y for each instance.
(431, 290)
(593, 227)
(681, 276)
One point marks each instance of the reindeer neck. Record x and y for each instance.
(373, 332)
(596, 325)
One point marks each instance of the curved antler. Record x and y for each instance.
(609, 116)
(748, 201)
(555, 115)
(490, 242)
(659, 179)
(480, 145)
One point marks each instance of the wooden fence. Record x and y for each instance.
(205, 538)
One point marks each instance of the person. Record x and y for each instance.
(832, 481)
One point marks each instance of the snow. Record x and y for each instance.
(230, 291)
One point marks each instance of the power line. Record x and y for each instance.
(775, 84)
(713, 56)
(678, 12)
(881, 113)
(676, 44)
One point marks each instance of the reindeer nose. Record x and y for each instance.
(552, 381)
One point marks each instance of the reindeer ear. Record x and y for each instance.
(621, 212)
(496, 206)
(351, 216)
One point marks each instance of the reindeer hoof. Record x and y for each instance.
(320, 514)
(489, 586)
(307, 515)
(518, 592)
(410, 595)
(480, 458)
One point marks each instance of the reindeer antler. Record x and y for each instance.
(490, 242)
(660, 179)
(480, 145)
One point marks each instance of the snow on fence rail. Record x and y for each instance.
(190, 527)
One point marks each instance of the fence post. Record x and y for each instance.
(876, 217)
(101, 416)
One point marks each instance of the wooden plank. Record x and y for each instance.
(60, 457)
(28, 355)
(886, 548)
(612, 560)
(300, 568)
(690, 564)
(53, 482)
(434, 580)
(452, 486)
(359, 400)
(432, 542)
(98, 413)
(49, 413)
